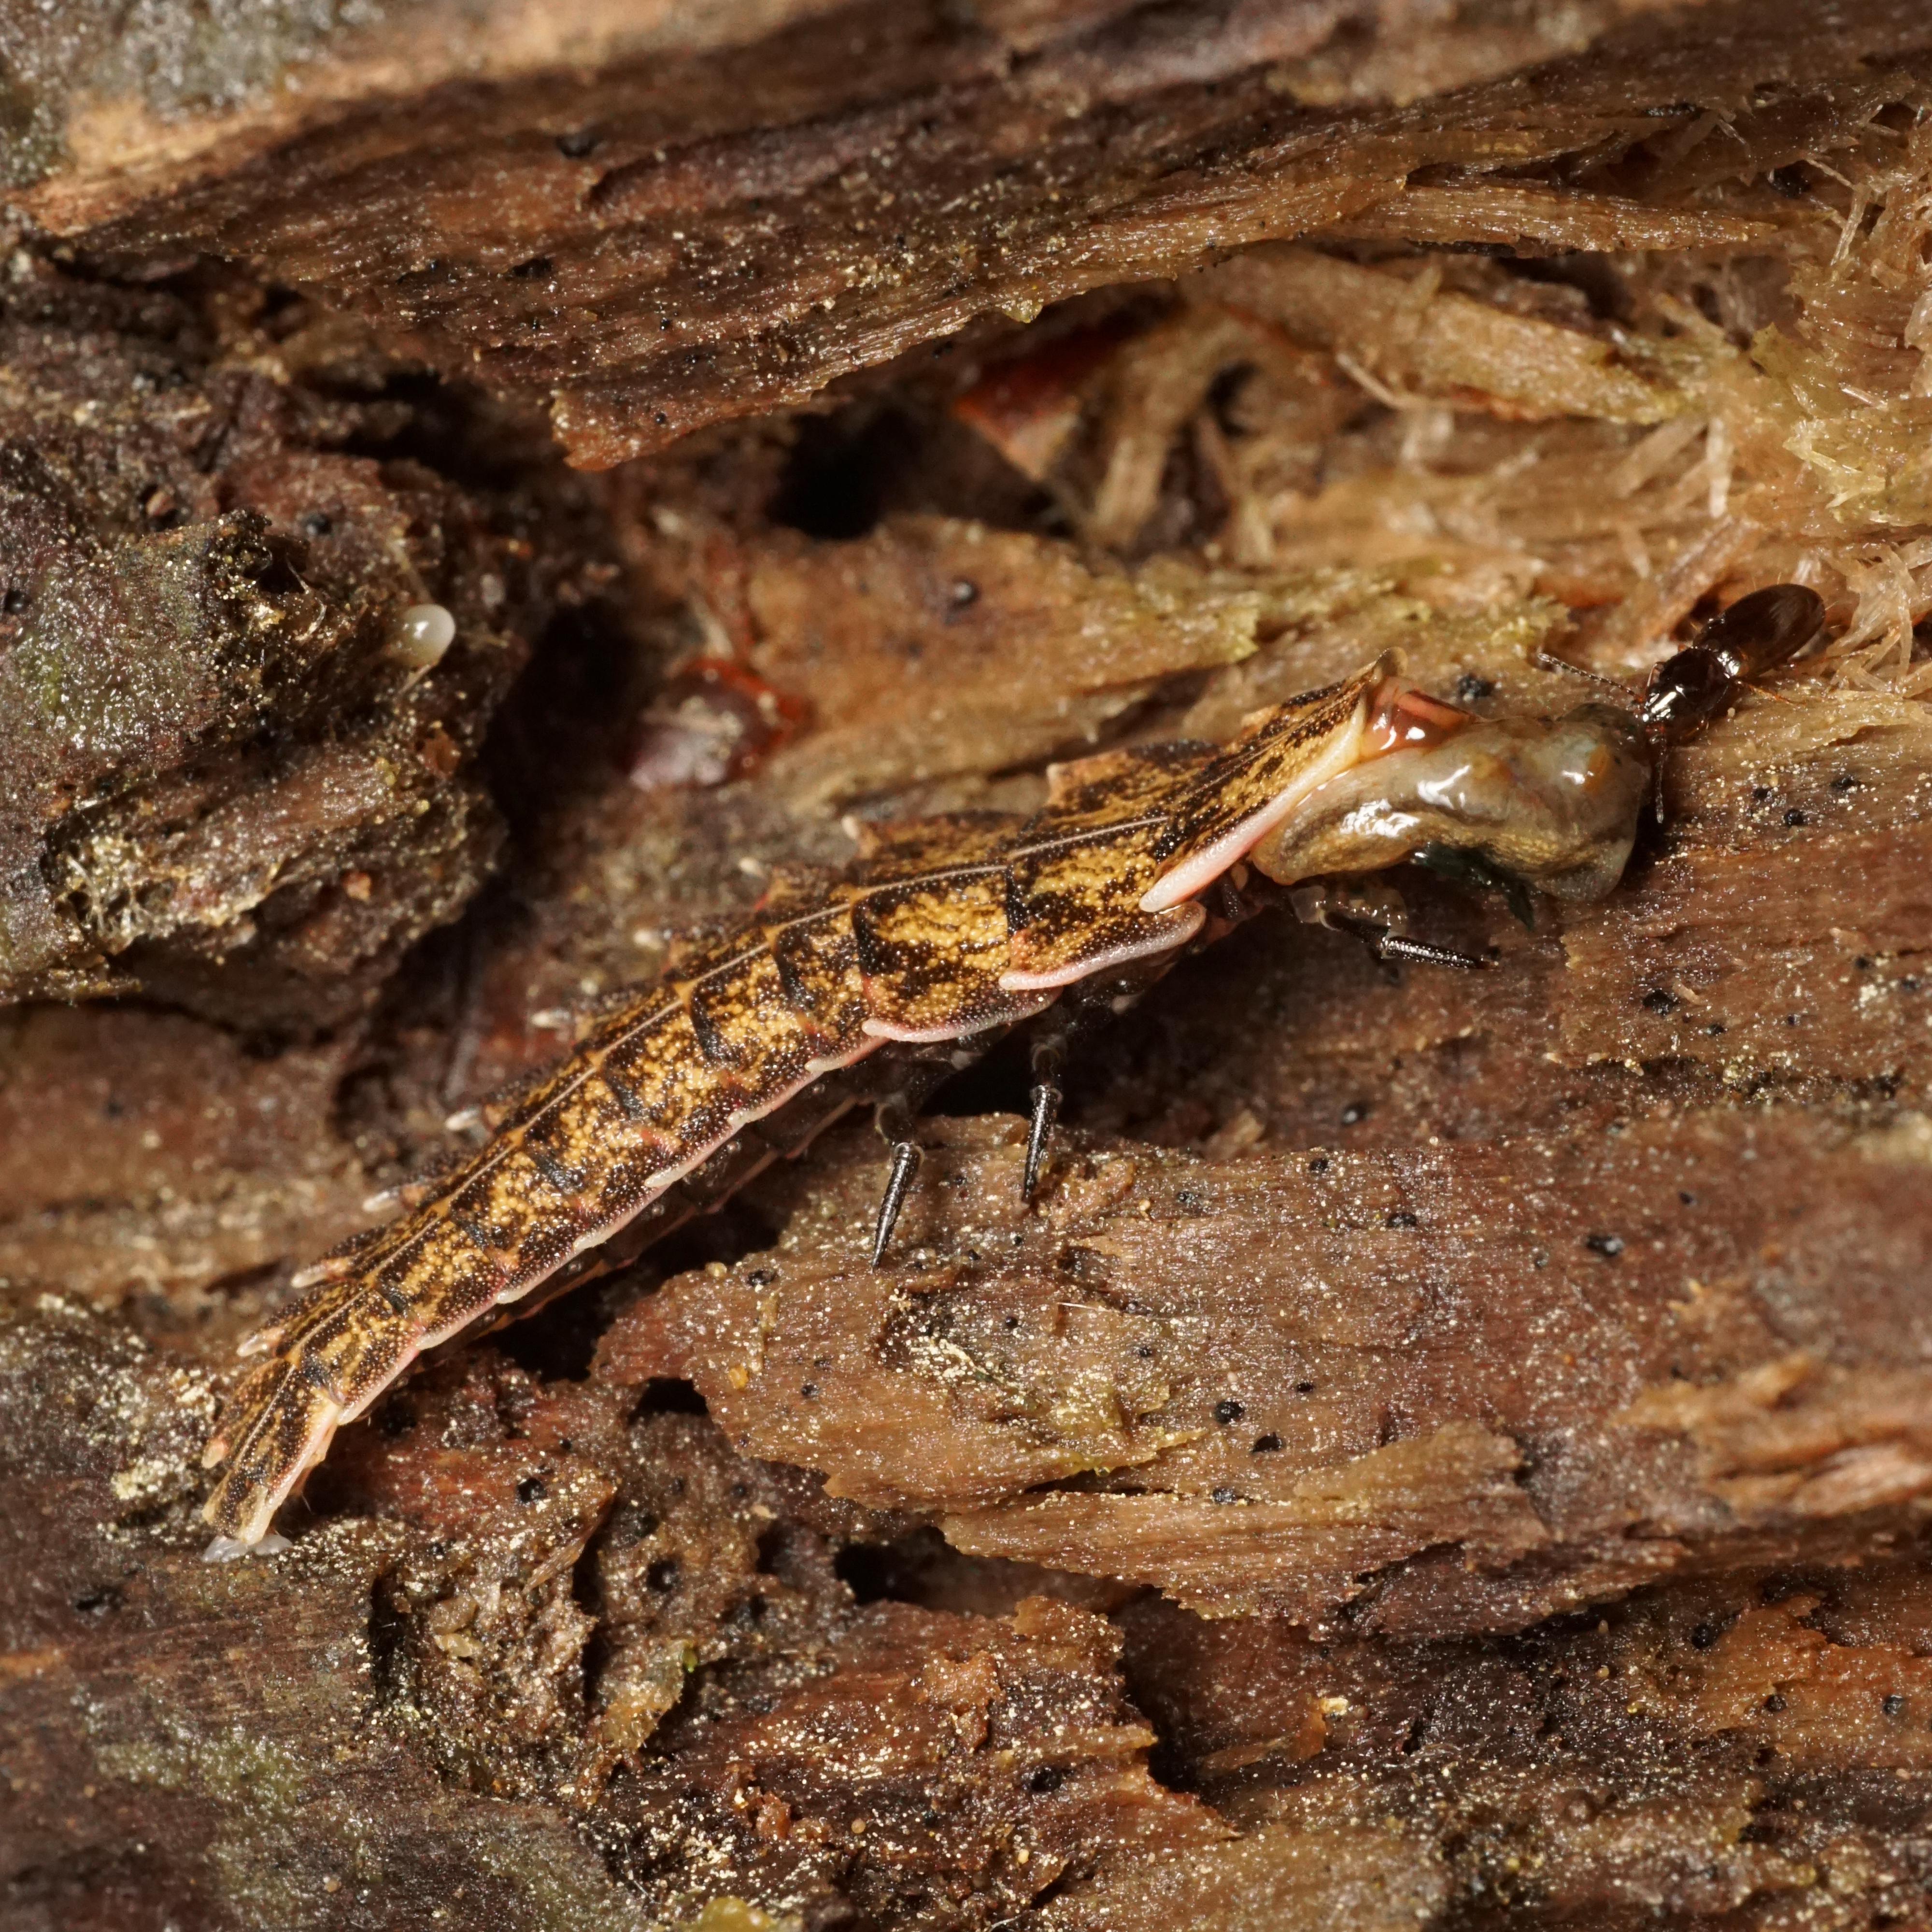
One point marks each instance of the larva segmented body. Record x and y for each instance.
(943, 935)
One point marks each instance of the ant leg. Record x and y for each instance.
(1548, 661)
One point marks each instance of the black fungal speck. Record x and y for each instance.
(1267, 1445)
(531, 1489)
(1608, 1245)
(1229, 1411)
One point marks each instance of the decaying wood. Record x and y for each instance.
(1447, 1450)
(728, 275)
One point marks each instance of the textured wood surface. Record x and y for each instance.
(1449, 1450)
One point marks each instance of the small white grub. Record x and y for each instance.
(227, 1549)
(424, 633)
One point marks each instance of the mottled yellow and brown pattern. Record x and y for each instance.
(947, 930)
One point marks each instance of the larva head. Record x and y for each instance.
(1553, 803)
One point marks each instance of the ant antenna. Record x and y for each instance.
(1547, 661)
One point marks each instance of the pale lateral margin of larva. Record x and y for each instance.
(945, 929)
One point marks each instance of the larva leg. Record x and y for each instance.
(1385, 942)
(1322, 905)
(1048, 1055)
(912, 1072)
(1419, 951)
(1086, 1009)
(895, 1121)
(906, 1157)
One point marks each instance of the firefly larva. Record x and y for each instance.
(870, 985)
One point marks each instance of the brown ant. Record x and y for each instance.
(1757, 634)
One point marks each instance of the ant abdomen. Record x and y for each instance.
(1768, 629)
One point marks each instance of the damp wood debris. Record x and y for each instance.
(1436, 1448)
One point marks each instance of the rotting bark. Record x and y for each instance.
(1440, 1450)
(1284, 1389)
(222, 787)
(731, 273)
